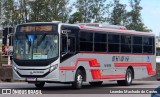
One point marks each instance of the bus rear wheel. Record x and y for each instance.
(40, 84)
(99, 83)
(77, 84)
(128, 78)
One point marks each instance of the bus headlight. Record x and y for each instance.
(15, 68)
(53, 67)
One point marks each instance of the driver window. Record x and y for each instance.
(71, 44)
(67, 46)
(64, 44)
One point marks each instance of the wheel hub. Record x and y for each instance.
(79, 79)
(129, 77)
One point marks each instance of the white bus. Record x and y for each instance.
(53, 52)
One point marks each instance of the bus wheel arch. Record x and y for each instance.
(82, 69)
(80, 77)
(131, 68)
(128, 77)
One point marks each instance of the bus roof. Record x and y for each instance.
(110, 28)
(115, 30)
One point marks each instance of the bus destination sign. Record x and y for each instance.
(30, 28)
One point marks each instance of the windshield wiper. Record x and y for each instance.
(41, 39)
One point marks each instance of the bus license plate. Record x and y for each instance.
(31, 79)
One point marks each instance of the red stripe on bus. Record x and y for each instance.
(96, 74)
(67, 67)
(92, 62)
(137, 64)
(113, 76)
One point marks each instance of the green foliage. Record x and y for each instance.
(14, 12)
(37, 12)
(134, 19)
(118, 15)
(21, 11)
(76, 17)
(92, 10)
(48, 10)
(8, 6)
(98, 10)
(83, 6)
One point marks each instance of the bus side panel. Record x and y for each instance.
(111, 66)
(138, 71)
(87, 68)
(67, 72)
(69, 75)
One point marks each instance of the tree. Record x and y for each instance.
(83, 6)
(48, 10)
(98, 10)
(37, 10)
(10, 14)
(23, 11)
(118, 14)
(108, 11)
(75, 17)
(134, 19)
(92, 10)
(8, 11)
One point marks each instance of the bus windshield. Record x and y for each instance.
(35, 47)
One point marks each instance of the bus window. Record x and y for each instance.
(71, 44)
(147, 41)
(86, 41)
(148, 45)
(137, 44)
(126, 43)
(100, 42)
(37, 47)
(113, 43)
(64, 44)
(86, 36)
(86, 46)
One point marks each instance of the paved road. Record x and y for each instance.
(65, 90)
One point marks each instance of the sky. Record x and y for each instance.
(150, 14)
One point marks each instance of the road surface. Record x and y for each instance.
(65, 90)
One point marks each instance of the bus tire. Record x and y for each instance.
(40, 84)
(128, 78)
(95, 84)
(77, 84)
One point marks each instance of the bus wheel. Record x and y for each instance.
(128, 79)
(40, 84)
(77, 84)
(99, 83)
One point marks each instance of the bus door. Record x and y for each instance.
(68, 44)
(71, 44)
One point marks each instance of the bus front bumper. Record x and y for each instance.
(24, 76)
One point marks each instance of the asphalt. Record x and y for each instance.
(65, 90)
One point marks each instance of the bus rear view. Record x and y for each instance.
(36, 53)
